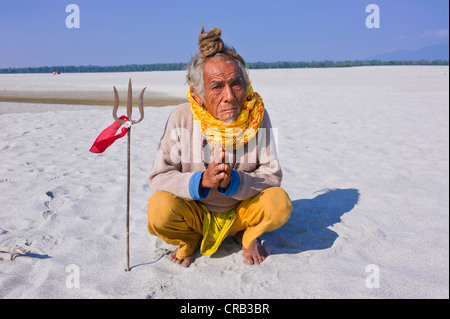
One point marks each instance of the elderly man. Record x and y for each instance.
(216, 173)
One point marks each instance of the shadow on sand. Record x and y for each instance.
(306, 229)
(308, 226)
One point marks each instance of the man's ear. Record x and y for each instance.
(196, 97)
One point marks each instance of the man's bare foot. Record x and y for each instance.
(255, 254)
(186, 262)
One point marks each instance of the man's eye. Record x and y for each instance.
(237, 83)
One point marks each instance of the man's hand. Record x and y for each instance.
(218, 173)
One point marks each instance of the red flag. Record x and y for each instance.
(108, 136)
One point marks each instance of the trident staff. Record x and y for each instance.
(128, 125)
(109, 136)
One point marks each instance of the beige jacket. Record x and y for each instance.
(183, 151)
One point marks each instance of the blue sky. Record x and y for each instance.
(117, 32)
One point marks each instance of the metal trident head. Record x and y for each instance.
(129, 105)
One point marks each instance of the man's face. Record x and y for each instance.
(224, 88)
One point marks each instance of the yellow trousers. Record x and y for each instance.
(179, 222)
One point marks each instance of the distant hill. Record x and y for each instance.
(435, 52)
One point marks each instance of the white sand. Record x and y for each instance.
(161, 82)
(365, 154)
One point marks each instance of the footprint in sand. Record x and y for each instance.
(253, 283)
(55, 201)
(47, 217)
(9, 180)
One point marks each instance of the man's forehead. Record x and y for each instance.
(221, 68)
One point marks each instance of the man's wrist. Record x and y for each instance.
(195, 187)
(233, 186)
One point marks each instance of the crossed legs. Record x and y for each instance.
(179, 222)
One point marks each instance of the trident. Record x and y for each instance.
(128, 124)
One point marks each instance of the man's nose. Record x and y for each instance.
(228, 94)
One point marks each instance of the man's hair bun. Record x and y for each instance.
(210, 43)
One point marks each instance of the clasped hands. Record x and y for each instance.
(218, 172)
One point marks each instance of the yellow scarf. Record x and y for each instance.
(236, 134)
